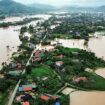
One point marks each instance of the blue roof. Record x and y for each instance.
(20, 89)
(29, 85)
(14, 65)
(57, 103)
(14, 73)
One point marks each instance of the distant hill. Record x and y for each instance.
(11, 7)
(80, 9)
(42, 7)
(101, 9)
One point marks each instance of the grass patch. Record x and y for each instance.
(62, 36)
(43, 70)
(72, 49)
(98, 82)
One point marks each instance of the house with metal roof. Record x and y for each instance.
(28, 87)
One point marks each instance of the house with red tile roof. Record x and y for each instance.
(79, 79)
(29, 87)
(47, 97)
(26, 103)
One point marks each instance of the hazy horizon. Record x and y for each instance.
(65, 2)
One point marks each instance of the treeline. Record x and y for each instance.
(80, 25)
(2, 17)
(25, 21)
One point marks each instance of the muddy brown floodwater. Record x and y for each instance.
(96, 45)
(9, 38)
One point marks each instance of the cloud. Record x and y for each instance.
(65, 2)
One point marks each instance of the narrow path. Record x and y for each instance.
(17, 86)
(14, 93)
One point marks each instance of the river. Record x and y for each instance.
(95, 45)
(9, 39)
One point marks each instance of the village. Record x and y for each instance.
(40, 71)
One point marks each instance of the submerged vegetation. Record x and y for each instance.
(48, 71)
(75, 25)
(23, 22)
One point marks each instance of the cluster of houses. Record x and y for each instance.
(16, 64)
(29, 91)
(16, 68)
(37, 56)
(29, 87)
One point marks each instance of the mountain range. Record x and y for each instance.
(10, 7)
(81, 8)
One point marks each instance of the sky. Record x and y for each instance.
(65, 2)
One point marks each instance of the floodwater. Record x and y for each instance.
(16, 19)
(96, 45)
(9, 38)
(87, 98)
(100, 72)
(71, 43)
(9, 41)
